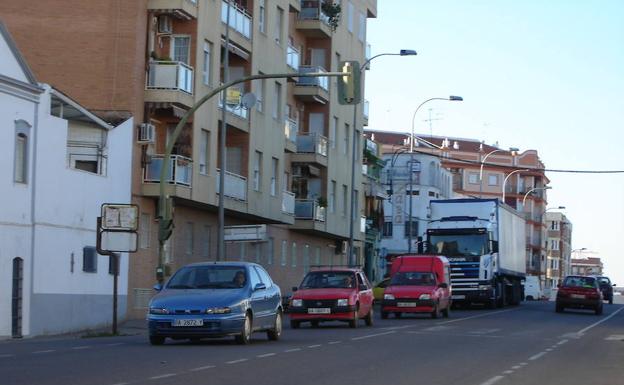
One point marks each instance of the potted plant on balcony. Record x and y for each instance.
(322, 202)
(332, 11)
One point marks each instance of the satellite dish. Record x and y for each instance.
(249, 100)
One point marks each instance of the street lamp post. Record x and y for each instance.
(452, 98)
(534, 189)
(513, 151)
(403, 52)
(507, 177)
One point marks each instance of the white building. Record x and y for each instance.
(429, 181)
(59, 163)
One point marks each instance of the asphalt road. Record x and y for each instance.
(528, 344)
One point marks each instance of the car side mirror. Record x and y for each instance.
(295, 288)
(443, 285)
(158, 287)
(260, 286)
(614, 284)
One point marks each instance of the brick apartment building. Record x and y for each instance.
(559, 248)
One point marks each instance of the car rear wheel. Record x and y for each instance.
(275, 333)
(558, 308)
(294, 324)
(598, 310)
(244, 338)
(156, 340)
(369, 317)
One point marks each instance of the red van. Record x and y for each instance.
(418, 284)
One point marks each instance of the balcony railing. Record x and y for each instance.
(322, 81)
(237, 110)
(313, 12)
(240, 20)
(180, 170)
(292, 57)
(362, 224)
(312, 143)
(288, 202)
(170, 75)
(291, 127)
(365, 109)
(235, 185)
(309, 209)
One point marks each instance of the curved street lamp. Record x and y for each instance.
(507, 177)
(403, 52)
(534, 189)
(452, 98)
(513, 150)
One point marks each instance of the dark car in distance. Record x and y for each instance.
(606, 287)
(579, 292)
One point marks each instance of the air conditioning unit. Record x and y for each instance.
(164, 24)
(147, 133)
(341, 247)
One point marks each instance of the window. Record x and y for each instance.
(554, 244)
(279, 22)
(207, 63)
(362, 29)
(492, 180)
(473, 178)
(204, 150)
(189, 238)
(386, 230)
(277, 101)
(413, 224)
(260, 83)
(350, 16)
(270, 250)
(554, 225)
(258, 251)
(284, 253)
(274, 171)
(144, 231)
(432, 193)
(206, 242)
(89, 259)
(262, 16)
(306, 258)
(345, 140)
(345, 200)
(317, 256)
(180, 48)
(242, 251)
(332, 197)
(257, 170)
(356, 210)
(264, 276)
(20, 167)
(332, 132)
(293, 255)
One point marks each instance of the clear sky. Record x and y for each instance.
(534, 74)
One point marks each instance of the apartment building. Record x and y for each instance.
(283, 174)
(488, 171)
(586, 262)
(558, 248)
(373, 216)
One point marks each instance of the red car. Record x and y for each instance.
(332, 294)
(418, 284)
(579, 292)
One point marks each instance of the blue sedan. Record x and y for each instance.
(216, 300)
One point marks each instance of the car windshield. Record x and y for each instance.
(328, 279)
(455, 245)
(413, 278)
(586, 282)
(208, 277)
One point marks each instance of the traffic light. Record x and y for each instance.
(349, 90)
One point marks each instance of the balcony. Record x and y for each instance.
(288, 203)
(180, 173)
(169, 82)
(293, 57)
(309, 209)
(235, 185)
(311, 148)
(362, 224)
(240, 20)
(291, 128)
(365, 108)
(182, 9)
(313, 89)
(312, 21)
(237, 115)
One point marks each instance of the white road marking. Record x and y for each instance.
(516, 367)
(538, 355)
(334, 342)
(562, 342)
(582, 331)
(162, 376)
(549, 349)
(236, 361)
(313, 346)
(508, 372)
(456, 334)
(6, 355)
(43, 351)
(478, 316)
(523, 364)
(122, 383)
(202, 368)
(81, 347)
(398, 327)
(613, 337)
(372, 335)
(493, 380)
(572, 335)
(484, 331)
(265, 355)
(437, 328)
(292, 350)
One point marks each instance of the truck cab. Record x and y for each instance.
(418, 284)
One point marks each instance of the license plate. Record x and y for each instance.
(188, 322)
(577, 296)
(406, 304)
(319, 310)
(458, 296)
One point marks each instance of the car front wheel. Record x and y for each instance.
(275, 333)
(369, 317)
(244, 338)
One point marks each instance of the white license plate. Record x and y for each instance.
(319, 310)
(188, 322)
(577, 296)
(406, 304)
(458, 296)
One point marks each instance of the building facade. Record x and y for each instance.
(156, 58)
(585, 262)
(61, 163)
(558, 248)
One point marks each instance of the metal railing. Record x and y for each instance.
(309, 209)
(235, 185)
(240, 20)
(170, 75)
(312, 143)
(292, 57)
(288, 202)
(291, 127)
(237, 110)
(180, 170)
(313, 11)
(322, 81)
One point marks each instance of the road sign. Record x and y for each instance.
(120, 217)
(118, 241)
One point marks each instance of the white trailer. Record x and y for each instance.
(485, 242)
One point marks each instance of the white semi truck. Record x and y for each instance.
(485, 243)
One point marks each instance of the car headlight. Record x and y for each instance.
(388, 296)
(158, 310)
(485, 287)
(425, 296)
(218, 310)
(296, 303)
(342, 302)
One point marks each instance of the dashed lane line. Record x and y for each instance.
(6, 355)
(562, 342)
(167, 375)
(313, 346)
(508, 372)
(477, 316)
(265, 355)
(372, 335)
(43, 351)
(237, 361)
(537, 356)
(200, 368)
(81, 347)
(493, 380)
(334, 342)
(582, 331)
